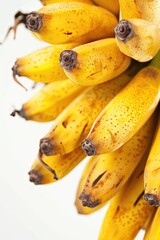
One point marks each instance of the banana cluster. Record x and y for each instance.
(101, 76)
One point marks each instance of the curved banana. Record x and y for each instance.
(154, 231)
(74, 123)
(152, 172)
(112, 6)
(110, 171)
(78, 203)
(50, 101)
(138, 38)
(94, 62)
(148, 10)
(126, 113)
(128, 210)
(49, 169)
(69, 22)
(47, 2)
(42, 65)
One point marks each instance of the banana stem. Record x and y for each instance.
(156, 61)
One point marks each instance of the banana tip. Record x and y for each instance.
(88, 147)
(35, 177)
(152, 199)
(87, 201)
(46, 146)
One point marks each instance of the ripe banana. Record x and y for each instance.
(47, 2)
(49, 169)
(111, 171)
(154, 231)
(42, 65)
(112, 6)
(148, 10)
(138, 38)
(94, 62)
(128, 210)
(148, 227)
(74, 123)
(68, 22)
(126, 113)
(80, 208)
(152, 172)
(50, 101)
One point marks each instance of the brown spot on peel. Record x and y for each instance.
(98, 179)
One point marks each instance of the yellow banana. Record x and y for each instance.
(48, 169)
(74, 123)
(138, 38)
(152, 172)
(128, 210)
(126, 113)
(110, 171)
(80, 208)
(42, 65)
(147, 227)
(49, 102)
(154, 231)
(47, 2)
(94, 62)
(69, 22)
(112, 6)
(148, 10)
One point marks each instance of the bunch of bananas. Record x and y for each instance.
(102, 89)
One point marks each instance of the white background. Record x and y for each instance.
(29, 212)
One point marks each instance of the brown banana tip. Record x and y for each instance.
(33, 21)
(35, 177)
(47, 167)
(88, 147)
(68, 59)
(15, 73)
(87, 201)
(152, 199)
(21, 113)
(124, 30)
(19, 18)
(46, 146)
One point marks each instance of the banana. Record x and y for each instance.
(148, 10)
(126, 113)
(154, 231)
(47, 2)
(148, 227)
(50, 101)
(74, 123)
(68, 22)
(42, 65)
(94, 62)
(138, 38)
(112, 6)
(49, 169)
(80, 208)
(151, 175)
(128, 210)
(111, 171)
